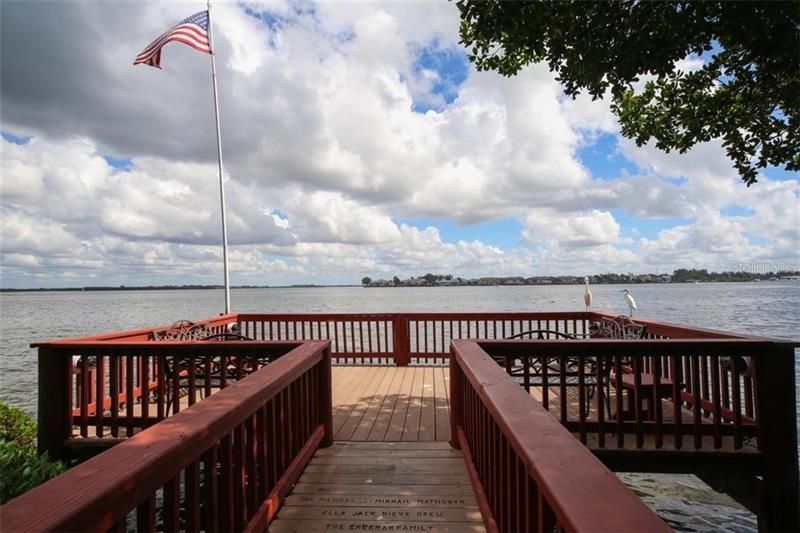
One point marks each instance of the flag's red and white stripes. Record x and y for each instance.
(192, 31)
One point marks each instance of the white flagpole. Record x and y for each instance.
(219, 159)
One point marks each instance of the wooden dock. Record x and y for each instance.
(391, 467)
(350, 421)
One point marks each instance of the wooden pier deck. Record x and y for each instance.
(389, 403)
(277, 427)
(391, 467)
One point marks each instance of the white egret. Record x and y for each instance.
(630, 301)
(587, 294)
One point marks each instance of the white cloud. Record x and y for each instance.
(326, 155)
(25, 234)
(593, 228)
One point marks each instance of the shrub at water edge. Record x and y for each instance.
(21, 467)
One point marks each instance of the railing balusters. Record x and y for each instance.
(226, 492)
(600, 393)
(508, 459)
(146, 515)
(545, 365)
(234, 490)
(716, 401)
(620, 407)
(161, 386)
(704, 383)
(192, 498)
(129, 401)
(696, 401)
(655, 402)
(562, 366)
(211, 492)
(84, 395)
(239, 480)
(172, 507)
(113, 382)
(582, 401)
(100, 381)
(737, 410)
(676, 365)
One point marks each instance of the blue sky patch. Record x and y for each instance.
(271, 20)
(451, 66)
(757, 240)
(504, 233)
(603, 158)
(644, 227)
(15, 139)
(119, 163)
(735, 210)
(780, 173)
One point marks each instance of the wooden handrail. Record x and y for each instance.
(99, 493)
(725, 346)
(655, 327)
(139, 334)
(581, 493)
(671, 330)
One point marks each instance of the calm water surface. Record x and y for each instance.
(768, 309)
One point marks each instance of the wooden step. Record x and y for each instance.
(382, 486)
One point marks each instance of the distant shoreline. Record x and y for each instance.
(220, 287)
(167, 288)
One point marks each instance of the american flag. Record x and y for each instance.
(191, 30)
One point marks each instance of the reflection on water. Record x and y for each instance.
(686, 503)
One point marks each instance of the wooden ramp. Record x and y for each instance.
(382, 486)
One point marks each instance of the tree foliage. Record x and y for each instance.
(747, 92)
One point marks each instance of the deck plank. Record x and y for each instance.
(441, 406)
(364, 427)
(370, 514)
(397, 421)
(301, 526)
(371, 500)
(345, 408)
(373, 491)
(427, 421)
(413, 416)
(384, 417)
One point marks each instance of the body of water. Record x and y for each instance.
(769, 309)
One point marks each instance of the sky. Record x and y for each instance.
(358, 141)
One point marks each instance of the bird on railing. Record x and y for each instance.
(630, 301)
(587, 294)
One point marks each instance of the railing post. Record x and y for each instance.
(777, 436)
(55, 402)
(456, 399)
(400, 339)
(326, 397)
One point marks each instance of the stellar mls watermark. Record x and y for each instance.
(764, 267)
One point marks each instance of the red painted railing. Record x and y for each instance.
(223, 464)
(404, 338)
(530, 474)
(710, 386)
(113, 385)
(681, 389)
(726, 395)
(172, 374)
